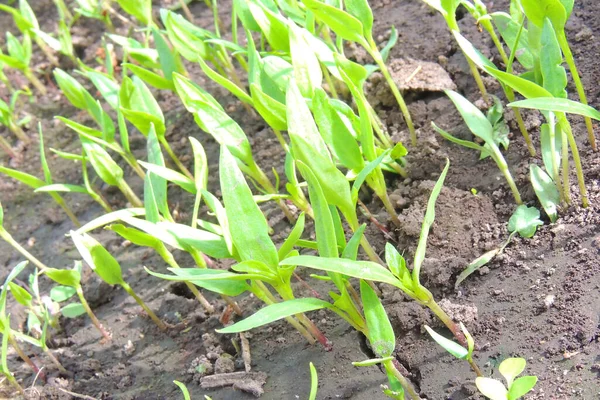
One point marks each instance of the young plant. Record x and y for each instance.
(456, 349)
(356, 25)
(71, 281)
(37, 183)
(19, 57)
(510, 368)
(8, 116)
(481, 127)
(108, 269)
(4, 370)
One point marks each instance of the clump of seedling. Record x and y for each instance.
(19, 57)
(515, 387)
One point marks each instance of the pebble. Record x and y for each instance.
(584, 34)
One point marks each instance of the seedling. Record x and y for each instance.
(5, 321)
(7, 237)
(455, 349)
(71, 279)
(8, 114)
(314, 382)
(356, 25)
(108, 269)
(481, 127)
(19, 57)
(510, 368)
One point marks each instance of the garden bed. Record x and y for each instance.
(538, 300)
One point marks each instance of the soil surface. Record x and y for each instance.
(539, 300)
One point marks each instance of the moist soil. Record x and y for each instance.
(539, 300)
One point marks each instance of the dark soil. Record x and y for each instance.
(539, 300)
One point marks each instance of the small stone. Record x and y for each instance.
(224, 364)
(549, 301)
(584, 34)
(129, 348)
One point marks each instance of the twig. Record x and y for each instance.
(246, 352)
(79, 396)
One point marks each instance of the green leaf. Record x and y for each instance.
(170, 175)
(155, 185)
(106, 168)
(521, 386)
(381, 334)
(307, 70)
(343, 24)
(192, 238)
(385, 51)
(185, 37)
(364, 174)
(372, 362)
(250, 237)
(23, 177)
(553, 73)
(275, 312)
(324, 226)
(150, 77)
(509, 29)
(98, 258)
(453, 139)
(350, 252)
(551, 156)
(308, 146)
(21, 295)
(66, 277)
(397, 264)
(192, 95)
(271, 24)
(62, 187)
(538, 10)
(360, 10)
(314, 382)
(62, 293)
(111, 217)
(358, 269)
(473, 117)
(491, 388)
(525, 221)
(140, 9)
(72, 310)
(73, 90)
(557, 105)
(106, 85)
(545, 190)
(511, 368)
(427, 222)
(476, 264)
(290, 241)
(273, 112)
(168, 64)
(184, 390)
(222, 282)
(451, 347)
(226, 83)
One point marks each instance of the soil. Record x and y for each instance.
(540, 299)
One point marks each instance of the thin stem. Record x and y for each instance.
(444, 317)
(186, 11)
(7, 147)
(564, 45)
(478, 80)
(281, 140)
(91, 314)
(55, 361)
(564, 155)
(377, 124)
(129, 194)
(406, 384)
(577, 161)
(150, 313)
(35, 81)
(169, 151)
(16, 129)
(14, 382)
(330, 82)
(134, 164)
(474, 367)
(22, 354)
(372, 49)
(9, 239)
(383, 196)
(47, 51)
(61, 202)
(506, 172)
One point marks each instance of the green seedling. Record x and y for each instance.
(356, 25)
(396, 273)
(510, 368)
(558, 12)
(27, 23)
(5, 321)
(142, 11)
(456, 349)
(37, 183)
(63, 11)
(532, 90)
(383, 343)
(9, 335)
(523, 222)
(70, 279)
(96, 9)
(479, 11)
(184, 390)
(8, 114)
(19, 57)
(7, 237)
(448, 10)
(481, 127)
(314, 382)
(108, 269)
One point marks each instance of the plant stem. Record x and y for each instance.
(330, 82)
(169, 151)
(383, 196)
(61, 202)
(478, 80)
(16, 129)
(406, 384)
(186, 11)
(573, 145)
(134, 164)
(129, 194)
(474, 367)
(372, 49)
(150, 313)
(7, 148)
(22, 354)
(9, 239)
(444, 317)
(35, 81)
(233, 304)
(499, 158)
(47, 51)
(55, 361)
(564, 155)
(91, 314)
(377, 124)
(566, 49)
(14, 382)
